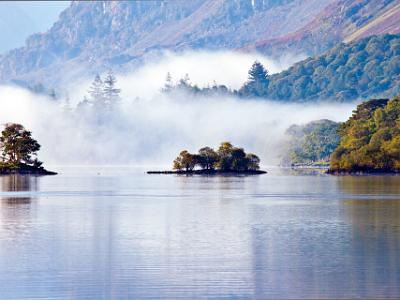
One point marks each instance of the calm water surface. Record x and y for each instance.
(117, 233)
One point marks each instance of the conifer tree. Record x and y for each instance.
(96, 92)
(258, 81)
(168, 83)
(53, 95)
(111, 93)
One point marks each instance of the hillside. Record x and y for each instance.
(370, 139)
(363, 69)
(91, 37)
(341, 20)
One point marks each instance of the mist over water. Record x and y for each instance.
(150, 128)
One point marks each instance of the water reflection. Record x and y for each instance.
(138, 236)
(373, 210)
(18, 183)
(16, 209)
(375, 185)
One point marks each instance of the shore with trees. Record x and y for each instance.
(370, 139)
(226, 160)
(310, 145)
(19, 152)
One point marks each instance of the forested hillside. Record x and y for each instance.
(363, 69)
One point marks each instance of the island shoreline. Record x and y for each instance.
(210, 172)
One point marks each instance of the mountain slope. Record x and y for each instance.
(91, 37)
(387, 22)
(341, 20)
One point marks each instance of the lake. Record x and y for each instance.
(118, 233)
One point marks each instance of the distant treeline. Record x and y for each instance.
(363, 69)
(311, 144)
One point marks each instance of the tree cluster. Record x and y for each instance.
(18, 147)
(311, 143)
(361, 69)
(226, 158)
(184, 85)
(103, 93)
(370, 139)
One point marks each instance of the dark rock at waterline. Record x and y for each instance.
(211, 172)
(364, 171)
(23, 169)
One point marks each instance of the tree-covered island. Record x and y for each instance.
(19, 152)
(370, 139)
(226, 160)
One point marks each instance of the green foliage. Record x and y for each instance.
(207, 158)
(311, 143)
(18, 146)
(365, 68)
(370, 139)
(186, 161)
(226, 158)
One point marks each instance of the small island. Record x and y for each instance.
(19, 152)
(227, 160)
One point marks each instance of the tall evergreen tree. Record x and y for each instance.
(67, 104)
(96, 91)
(257, 83)
(111, 93)
(168, 83)
(53, 95)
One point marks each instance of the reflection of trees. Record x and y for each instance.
(375, 234)
(16, 210)
(373, 211)
(207, 184)
(375, 185)
(18, 183)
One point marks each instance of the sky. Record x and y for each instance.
(19, 19)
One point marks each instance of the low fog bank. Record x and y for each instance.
(150, 128)
(153, 131)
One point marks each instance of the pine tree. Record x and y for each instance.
(257, 83)
(53, 95)
(67, 104)
(96, 92)
(168, 83)
(111, 93)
